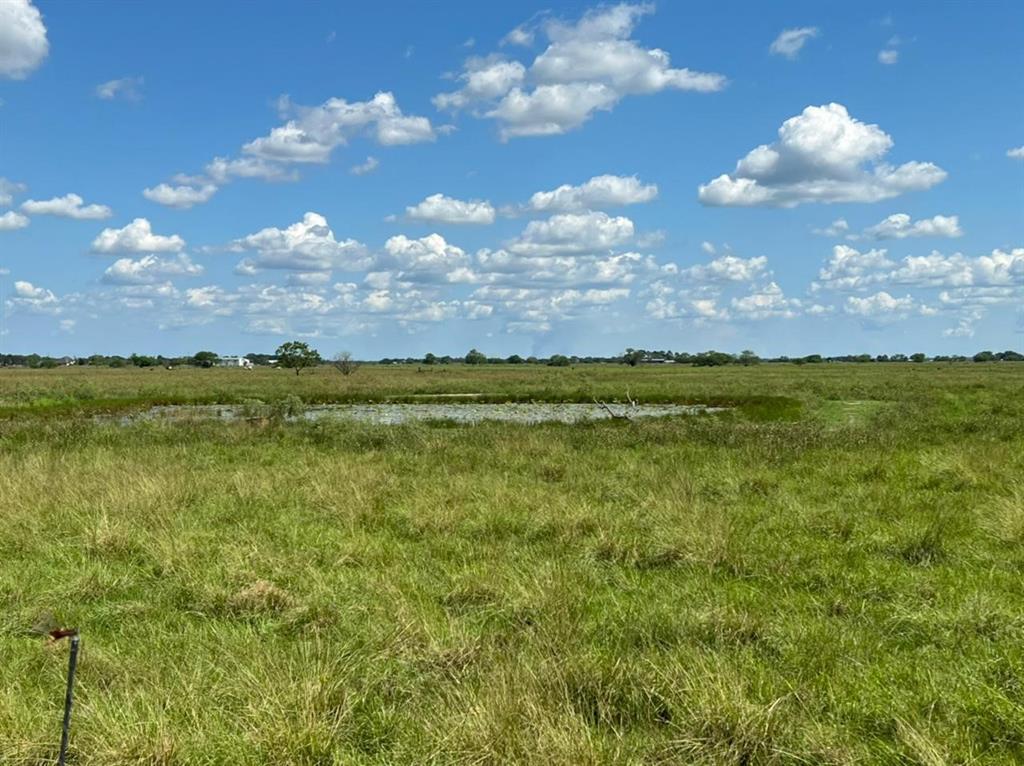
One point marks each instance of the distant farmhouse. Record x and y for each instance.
(233, 361)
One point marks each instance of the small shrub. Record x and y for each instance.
(288, 408)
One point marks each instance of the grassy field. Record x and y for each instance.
(831, 573)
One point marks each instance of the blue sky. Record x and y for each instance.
(397, 178)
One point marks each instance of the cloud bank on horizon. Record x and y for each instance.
(565, 188)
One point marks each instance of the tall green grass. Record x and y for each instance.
(827, 583)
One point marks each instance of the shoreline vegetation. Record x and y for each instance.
(827, 573)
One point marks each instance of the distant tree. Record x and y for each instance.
(633, 356)
(261, 359)
(812, 359)
(515, 359)
(918, 357)
(748, 357)
(344, 363)
(430, 359)
(1010, 356)
(558, 360)
(140, 360)
(475, 357)
(984, 356)
(713, 359)
(296, 355)
(204, 359)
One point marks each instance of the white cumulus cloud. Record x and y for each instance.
(68, 206)
(900, 226)
(310, 134)
(136, 237)
(850, 269)
(821, 155)
(427, 254)
(483, 79)
(182, 197)
(437, 208)
(34, 300)
(11, 220)
(588, 66)
(150, 269)
(767, 303)
(314, 132)
(568, 233)
(729, 268)
(23, 43)
(221, 170)
(308, 245)
(881, 305)
(599, 192)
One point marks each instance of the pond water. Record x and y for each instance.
(467, 413)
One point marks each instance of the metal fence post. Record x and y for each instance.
(68, 700)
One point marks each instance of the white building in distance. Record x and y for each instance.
(233, 361)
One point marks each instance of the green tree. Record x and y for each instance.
(918, 357)
(633, 356)
(559, 360)
(984, 356)
(141, 360)
(475, 357)
(296, 355)
(748, 357)
(712, 359)
(204, 359)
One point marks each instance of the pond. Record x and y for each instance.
(467, 413)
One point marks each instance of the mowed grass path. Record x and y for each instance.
(835, 583)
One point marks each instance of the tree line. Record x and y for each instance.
(637, 356)
(297, 356)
